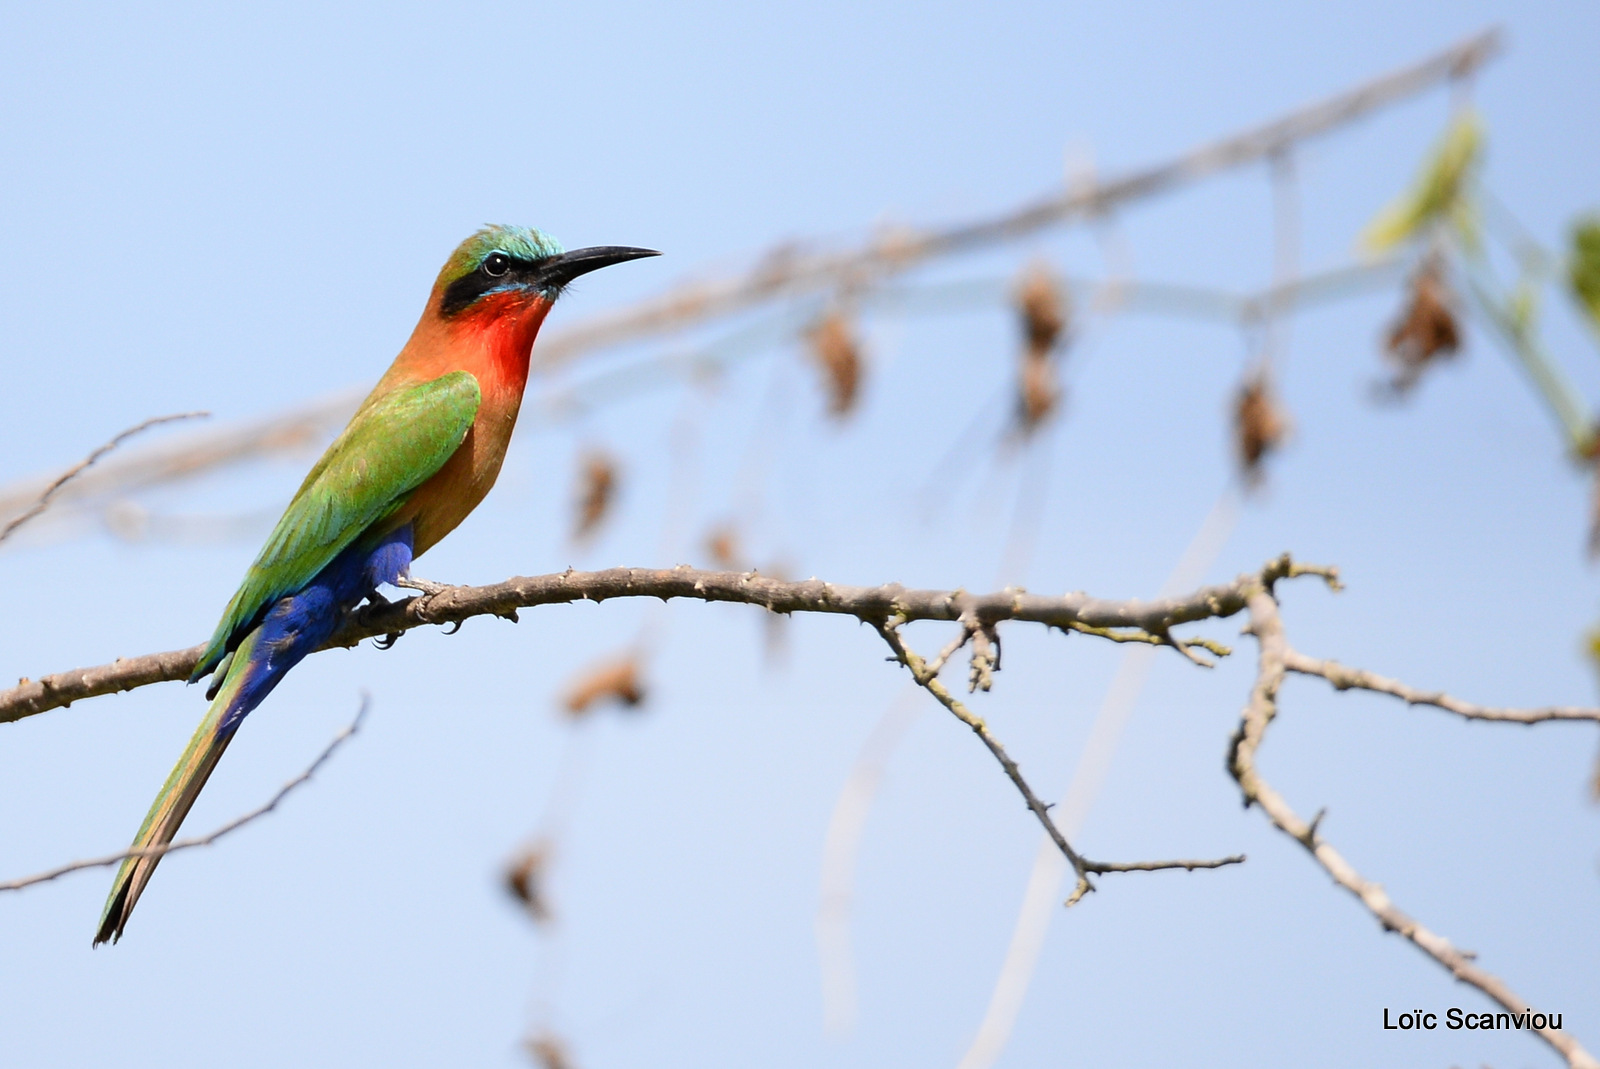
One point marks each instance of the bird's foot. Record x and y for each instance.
(428, 589)
(376, 602)
(426, 586)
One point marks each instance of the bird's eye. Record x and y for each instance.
(496, 264)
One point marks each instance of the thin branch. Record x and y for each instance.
(44, 499)
(968, 630)
(1258, 714)
(869, 604)
(1100, 868)
(1554, 389)
(930, 683)
(204, 840)
(787, 271)
(1343, 677)
(1083, 868)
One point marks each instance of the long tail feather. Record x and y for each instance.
(178, 795)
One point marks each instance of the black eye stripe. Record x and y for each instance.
(461, 293)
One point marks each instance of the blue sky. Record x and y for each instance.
(241, 211)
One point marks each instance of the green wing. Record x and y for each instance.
(393, 444)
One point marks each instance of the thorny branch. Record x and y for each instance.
(1276, 660)
(887, 608)
(203, 840)
(790, 271)
(927, 678)
(1343, 677)
(49, 492)
(1135, 620)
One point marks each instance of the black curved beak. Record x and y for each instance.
(557, 271)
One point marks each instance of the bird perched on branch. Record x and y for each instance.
(419, 454)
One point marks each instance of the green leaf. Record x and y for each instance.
(1437, 191)
(1583, 268)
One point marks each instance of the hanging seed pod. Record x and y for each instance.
(838, 355)
(547, 1051)
(1426, 330)
(525, 880)
(1259, 425)
(1044, 308)
(722, 545)
(1045, 313)
(597, 487)
(610, 681)
(1039, 393)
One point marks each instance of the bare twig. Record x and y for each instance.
(1082, 867)
(49, 493)
(1258, 714)
(787, 272)
(204, 840)
(968, 629)
(1099, 868)
(1043, 888)
(929, 682)
(457, 604)
(1343, 677)
(790, 271)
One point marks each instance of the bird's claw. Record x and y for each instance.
(384, 642)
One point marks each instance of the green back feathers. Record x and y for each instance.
(518, 242)
(395, 442)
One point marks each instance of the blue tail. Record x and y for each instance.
(295, 626)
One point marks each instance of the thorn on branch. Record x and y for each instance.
(1316, 823)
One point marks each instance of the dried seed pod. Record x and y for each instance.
(838, 354)
(1044, 308)
(1039, 393)
(597, 488)
(722, 544)
(525, 880)
(548, 1051)
(1045, 313)
(1427, 330)
(1258, 425)
(616, 681)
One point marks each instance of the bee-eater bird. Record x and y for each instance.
(419, 454)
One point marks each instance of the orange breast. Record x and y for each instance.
(493, 342)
